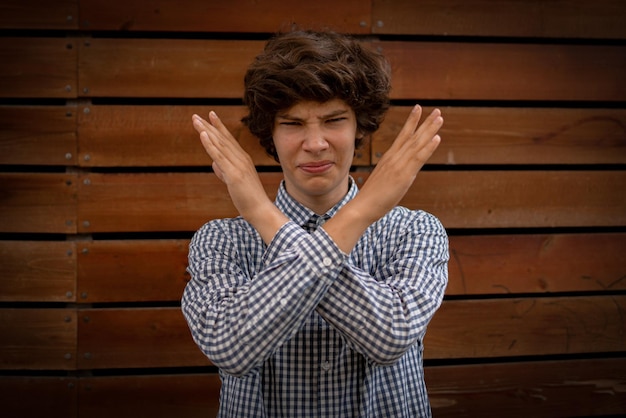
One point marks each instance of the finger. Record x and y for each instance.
(431, 124)
(411, 123)
(199, 124)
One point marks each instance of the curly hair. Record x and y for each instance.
(305, 65)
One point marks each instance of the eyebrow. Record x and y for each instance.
(330, 115)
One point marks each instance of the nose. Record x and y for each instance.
(314, 140)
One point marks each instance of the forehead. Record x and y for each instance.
(313, 109)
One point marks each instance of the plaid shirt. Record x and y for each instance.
(300, 329)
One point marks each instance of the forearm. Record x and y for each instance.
(384, 305)
(238, 324)
(380, 322)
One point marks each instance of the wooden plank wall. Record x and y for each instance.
(103, 182)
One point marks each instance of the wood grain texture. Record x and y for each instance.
(132, 270)
(164, 67)
(38, 339)
(461, 199)
(527, 326)
(231, 16)
(129, 135)
(51, 140)
(135, 338)
(125, 338)
(499, 71)
(420, 70)
(581, 387)
(506, 264)
(39, 14)
(38, 67)
(38, 202)
(181, 396)
(37, 396)
(37, 271)
(518, 136)
(508, 18)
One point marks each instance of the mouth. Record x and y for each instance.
(316, 167)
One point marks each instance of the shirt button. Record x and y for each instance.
(320, 221)
(326, 366)
(327, 261)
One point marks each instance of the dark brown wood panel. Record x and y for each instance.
(42, 135)
(133, 270)
(181, 396)
(35, 396)
(461, 199)
(161, 136)
(127, 338)
(38, 67)
(38, 339)
(152, 202)
(500, 71)
(39, 14)
(518, 135)
(421, 70)
(585, 387)
(562, 19)
(37, 271)
(527, 326)
(229, 16)
(135, 338)
(164, 67)
(503, 264)
(38, 202)
(154, 270)
(499, 199)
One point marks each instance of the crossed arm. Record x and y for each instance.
(229, 313)
(385, 187)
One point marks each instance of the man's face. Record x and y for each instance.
(315, 146)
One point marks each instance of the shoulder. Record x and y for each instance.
(224, 232)
(401, 219)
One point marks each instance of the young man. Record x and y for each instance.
(316, 305)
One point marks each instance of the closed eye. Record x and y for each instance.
(336, 120)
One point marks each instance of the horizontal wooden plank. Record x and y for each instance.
(562, 19)
(232, 16)
(496, 199)
(133, 270)
(182, 396)
(38, 67)
(164, 67)
(38, 339)
(135, 338)
(125, 338)
(147, 136)
(37, 271)
(42, 135)
(500, 71)
(585, 387)
(461, 199)
(493, 264)
(161, 136)
(39, 14)
(474, 135)
(424, 70)
(38, 202)
(155, 270)
(38, 396)
(527, 326)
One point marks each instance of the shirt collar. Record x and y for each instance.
(299, 213)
